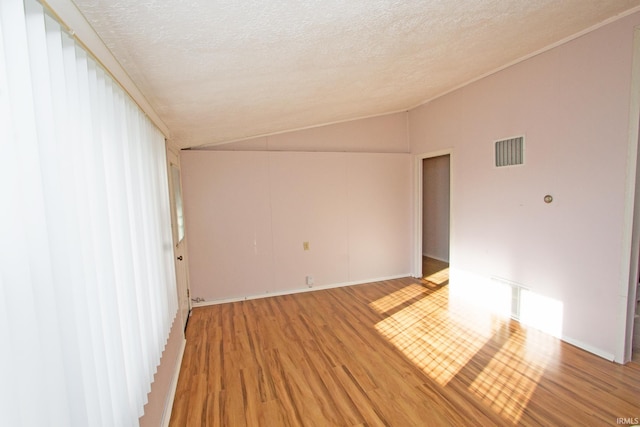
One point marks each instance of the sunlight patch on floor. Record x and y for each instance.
(432, 339)
(439, 277)
(397, 298)
(507, 383)
(441, 333)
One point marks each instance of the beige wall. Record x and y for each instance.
(572, 105)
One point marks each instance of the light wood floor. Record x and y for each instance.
(392, 353)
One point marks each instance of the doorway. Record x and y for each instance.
(433, 217)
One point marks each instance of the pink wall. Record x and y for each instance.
(572, 105)
(161, 388)
(382, 134)
(228, 223)
(248, 214)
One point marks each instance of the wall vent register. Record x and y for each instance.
(510, 152)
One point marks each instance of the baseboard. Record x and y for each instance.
(296, 291)
(436, 257)
(166, 415)
(576, 343)
(589, 348)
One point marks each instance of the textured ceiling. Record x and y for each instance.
(223, 70)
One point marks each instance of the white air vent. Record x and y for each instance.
(510, 152)
(515, 289)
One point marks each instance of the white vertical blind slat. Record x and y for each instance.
(94, 368)
(84, 372)
(87, 292)
(9, 399)
(99, 229)
(61, 221)
(24, 228)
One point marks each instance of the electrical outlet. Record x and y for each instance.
(309, 281)
(305, 246)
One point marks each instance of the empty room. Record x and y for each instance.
(320, 213)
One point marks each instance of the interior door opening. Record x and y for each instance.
(434, 222)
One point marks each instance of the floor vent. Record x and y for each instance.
(516, 294)
(515, 301)
(510, 152)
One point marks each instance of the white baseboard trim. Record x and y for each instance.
(166, 414)
(435, 257)
(297, 291)
(591, 349)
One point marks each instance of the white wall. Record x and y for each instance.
(572, 105)
(435, 204)
(248, 214)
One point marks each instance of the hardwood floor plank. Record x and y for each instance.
(326, 373)
(368, 410)
(391, 353)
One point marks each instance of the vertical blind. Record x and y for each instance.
(87, 283)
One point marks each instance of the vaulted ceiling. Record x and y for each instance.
(222, 70)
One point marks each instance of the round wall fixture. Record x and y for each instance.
(548, 198)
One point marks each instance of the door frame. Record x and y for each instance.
(179, 246)
(419, 206)
(630, 271)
